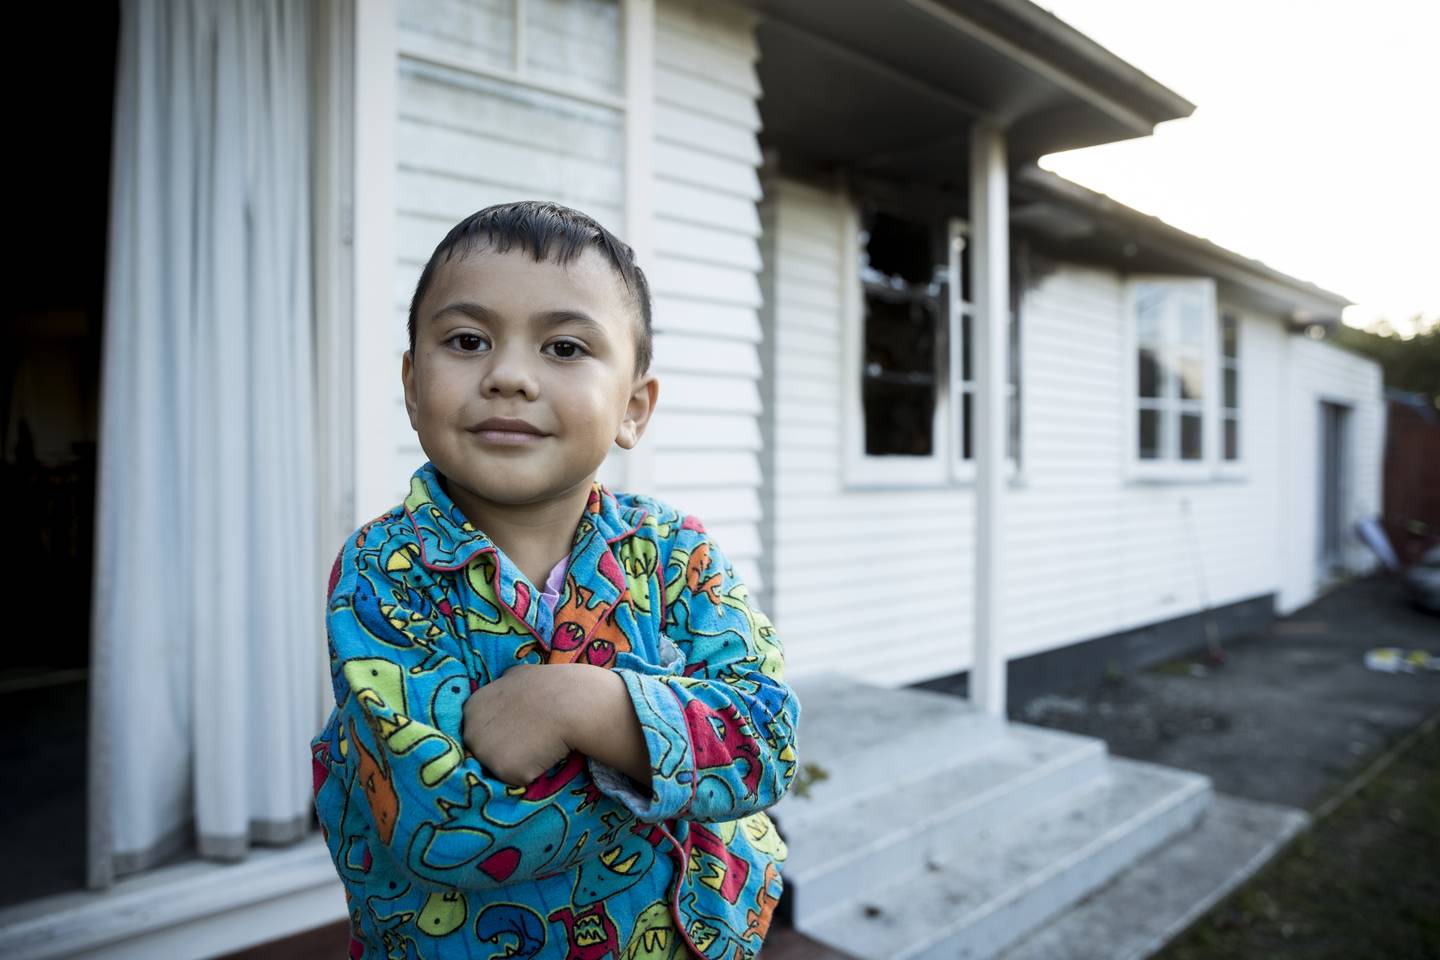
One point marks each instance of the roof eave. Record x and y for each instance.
(1307, 302)
(1096, 72)
(1006, 62)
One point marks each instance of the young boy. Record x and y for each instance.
(558, 718)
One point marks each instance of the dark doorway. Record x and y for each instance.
(62, 83)
(1332, 456)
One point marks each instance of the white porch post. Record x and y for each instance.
(639, 181)
(990, 229)
(376, 361)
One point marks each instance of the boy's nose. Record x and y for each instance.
(510, 371)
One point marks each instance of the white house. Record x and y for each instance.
(1037, 423)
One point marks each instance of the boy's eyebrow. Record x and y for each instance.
(548, 318)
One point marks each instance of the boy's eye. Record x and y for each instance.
(467, 342)
(567, 349)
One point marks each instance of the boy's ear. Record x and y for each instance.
(407, 378)
(638, 411)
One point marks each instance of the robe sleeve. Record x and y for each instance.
(719, 720)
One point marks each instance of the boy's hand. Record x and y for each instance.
(514, 725)
(529, 718)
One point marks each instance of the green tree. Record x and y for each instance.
(1412, 364)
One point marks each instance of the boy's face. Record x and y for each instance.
(499, 335)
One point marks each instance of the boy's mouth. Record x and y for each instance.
(509, 436)
(507, 430)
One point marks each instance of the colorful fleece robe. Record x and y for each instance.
(438, 857)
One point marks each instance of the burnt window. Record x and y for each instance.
(904, 275)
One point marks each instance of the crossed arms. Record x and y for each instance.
(717, 724)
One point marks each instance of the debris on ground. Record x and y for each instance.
(1396, 660)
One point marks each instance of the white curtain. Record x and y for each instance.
(207, 634)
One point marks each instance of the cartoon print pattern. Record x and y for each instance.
(437, 855)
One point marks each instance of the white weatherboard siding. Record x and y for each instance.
(1091, 552)
(873, 583)
(466, 140)
(705, 434)
(878, 583)
(1323, 372)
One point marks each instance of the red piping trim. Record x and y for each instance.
(683, 853)
(495, 585)
(420, 542)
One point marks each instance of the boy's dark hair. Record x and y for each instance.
(545, 230)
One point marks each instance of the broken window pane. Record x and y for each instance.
(902, 271)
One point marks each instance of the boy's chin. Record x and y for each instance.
(511, 491)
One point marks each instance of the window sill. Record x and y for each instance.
(1202, 476)
(197, 908)
(1015, 480)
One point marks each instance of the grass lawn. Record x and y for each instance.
(1362, 883)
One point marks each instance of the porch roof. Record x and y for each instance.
(890, 87)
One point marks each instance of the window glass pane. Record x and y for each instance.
(1232, 439)
(967, 423)
(1149, 313)
(1192, 320)
(1192, 377)
(1150, 434)
(481, 32)
(1229, 334)
(1190, 436)
(1232, 387)
(574, 43)
(1149, 373)
(967, 347)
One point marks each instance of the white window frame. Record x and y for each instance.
(962, 468)
(946, 464)
(518, 72)
(1170, 467)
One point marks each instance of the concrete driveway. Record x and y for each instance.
(1289, 716)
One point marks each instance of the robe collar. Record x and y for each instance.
(448, 541)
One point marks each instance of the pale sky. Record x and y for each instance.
(1314, 146)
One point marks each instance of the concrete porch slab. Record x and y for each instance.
(1150, 904)
(982, 899)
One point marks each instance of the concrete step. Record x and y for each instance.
(981, 900)
(866, 740)
(1152, 902)
(878, 841)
